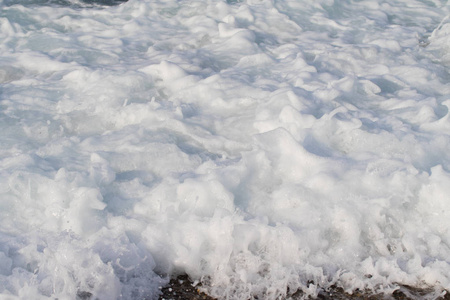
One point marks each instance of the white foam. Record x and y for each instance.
(259, 147)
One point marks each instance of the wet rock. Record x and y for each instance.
(182, 288)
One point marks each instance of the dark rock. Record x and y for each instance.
(182, 288)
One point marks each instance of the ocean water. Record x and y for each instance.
(259, 146)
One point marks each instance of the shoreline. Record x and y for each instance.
(181, 288)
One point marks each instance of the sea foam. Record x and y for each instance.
(260, 147)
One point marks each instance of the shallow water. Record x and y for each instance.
(257, 146)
